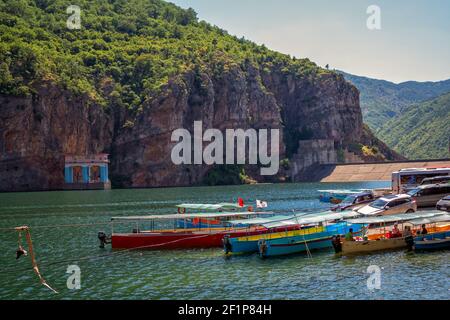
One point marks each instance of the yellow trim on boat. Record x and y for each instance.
(277, 235)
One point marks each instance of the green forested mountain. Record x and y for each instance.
(136, 45)
(422, 131)
(383, 100)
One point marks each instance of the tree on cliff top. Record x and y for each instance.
(136, 45)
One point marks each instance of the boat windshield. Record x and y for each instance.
(349, 199)
(379, 204)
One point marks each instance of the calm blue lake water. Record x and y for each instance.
(194, 274)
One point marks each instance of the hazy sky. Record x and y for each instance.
(413, 43)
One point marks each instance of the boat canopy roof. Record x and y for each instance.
(218, 206)
(254, 221)
(189, 216)
(312, 218)
(396, 217)
(441, 218)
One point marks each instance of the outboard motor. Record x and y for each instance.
(103, 238)
(227, 244)
(336, 242)
(262, 245)
(409, 242)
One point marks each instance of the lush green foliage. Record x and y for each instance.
(125, 51)
(383, 100)
(422, 132)
(226, 175)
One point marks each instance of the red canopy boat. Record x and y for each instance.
(182, 238)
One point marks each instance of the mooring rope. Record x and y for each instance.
(35, 267)
(33, 259)
(61, 226)
(110, 254)
(307, 248)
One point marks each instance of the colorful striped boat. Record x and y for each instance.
(437, 238)
(250, 244)
(294, 226)
(384, 240)
(304, 240)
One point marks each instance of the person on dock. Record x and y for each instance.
(349, 235)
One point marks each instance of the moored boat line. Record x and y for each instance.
(368, 214)
(310, 236)
(247, 232)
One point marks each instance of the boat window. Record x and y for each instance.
(443, 179)
(412, 179)
(413, 192)
(379, 204)
(349, 199)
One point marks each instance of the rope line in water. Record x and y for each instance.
(303, 213)
(113, 253)
(62, 226)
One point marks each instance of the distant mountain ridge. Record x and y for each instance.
(422, 131)
(383, 100)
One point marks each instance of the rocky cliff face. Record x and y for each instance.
(35, 132)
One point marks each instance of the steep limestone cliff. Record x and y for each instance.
(35, 132)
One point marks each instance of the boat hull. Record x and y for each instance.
(249, 244)
(434, 241)
(176, 240)
(282, 247)
(181, 239)
(322, 239)
(355, 247)
(243, 247)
